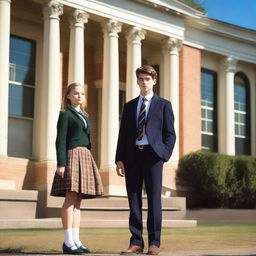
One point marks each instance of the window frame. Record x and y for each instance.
(247, 137)
(204, 134)
(22, 117)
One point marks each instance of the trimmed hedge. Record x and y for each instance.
(217, 180)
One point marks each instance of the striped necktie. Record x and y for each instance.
(141, 120)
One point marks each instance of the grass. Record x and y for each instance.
(205, 236)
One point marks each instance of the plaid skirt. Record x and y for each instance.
(81, 175)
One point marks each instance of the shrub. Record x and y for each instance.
(245, 174)
(217, 180)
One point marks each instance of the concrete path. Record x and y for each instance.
(230, 252)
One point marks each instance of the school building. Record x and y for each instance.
(206, 68)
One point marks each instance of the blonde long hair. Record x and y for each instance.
(66, 102)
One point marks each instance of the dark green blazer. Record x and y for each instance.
(71, 133)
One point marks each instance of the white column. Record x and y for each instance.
(226, 122)
(134, 37)
(4, 73)
(171, 47)
(51, 85)
(110, 95)
(76, 47)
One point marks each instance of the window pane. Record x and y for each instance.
(22, 60)
(203, 126)
(203, 111)
(20, 137)
(209, 143)
(21, 100)
(209, 126)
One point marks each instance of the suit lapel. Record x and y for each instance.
(152, 107)
(134, 110)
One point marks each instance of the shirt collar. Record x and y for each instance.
(148, 96)
(77, 108)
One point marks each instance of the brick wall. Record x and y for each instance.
(190, 124)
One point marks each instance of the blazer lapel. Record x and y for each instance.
(80, 118)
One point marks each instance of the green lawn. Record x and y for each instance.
(205, 236)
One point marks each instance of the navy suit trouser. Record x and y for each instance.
(148, 168)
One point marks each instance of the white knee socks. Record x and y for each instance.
(75, 232)
(68, 239)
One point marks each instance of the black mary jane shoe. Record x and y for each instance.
(68, 250)
(84, 249)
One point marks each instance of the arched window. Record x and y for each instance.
(242, 115)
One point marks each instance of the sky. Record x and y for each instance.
(238, 12)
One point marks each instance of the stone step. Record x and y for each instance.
(111, 223)
(24, 204)
(119, 202)
(18, 204)
(123, 213)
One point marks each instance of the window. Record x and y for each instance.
(21, 96)
(242, 116)
(208, 110)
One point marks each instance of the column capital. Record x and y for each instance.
(136, 34)
(78, 18)
(229, 64)
(112, 27)
(53, 9)
(172, 44)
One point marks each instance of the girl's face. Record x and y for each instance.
(76, 96)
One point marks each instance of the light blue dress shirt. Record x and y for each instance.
(144, 140)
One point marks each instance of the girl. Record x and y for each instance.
(77, 176)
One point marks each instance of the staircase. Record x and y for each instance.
(19, 209)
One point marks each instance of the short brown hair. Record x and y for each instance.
(146, 69)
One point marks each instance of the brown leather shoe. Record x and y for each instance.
(133, 249)
(153, 250)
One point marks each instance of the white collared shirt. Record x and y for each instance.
(144, 140)
(80, 114)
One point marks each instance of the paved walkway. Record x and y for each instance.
(230, 252)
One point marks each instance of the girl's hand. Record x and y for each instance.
(60, 171)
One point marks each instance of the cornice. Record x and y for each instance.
(173, 6)
(223, 29)
(167, 24)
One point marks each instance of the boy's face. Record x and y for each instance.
(146, 83)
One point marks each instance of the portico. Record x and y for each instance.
(102, 44)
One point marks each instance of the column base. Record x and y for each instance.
(113, 184)
(169, 179)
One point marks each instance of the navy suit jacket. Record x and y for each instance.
(159, 129)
